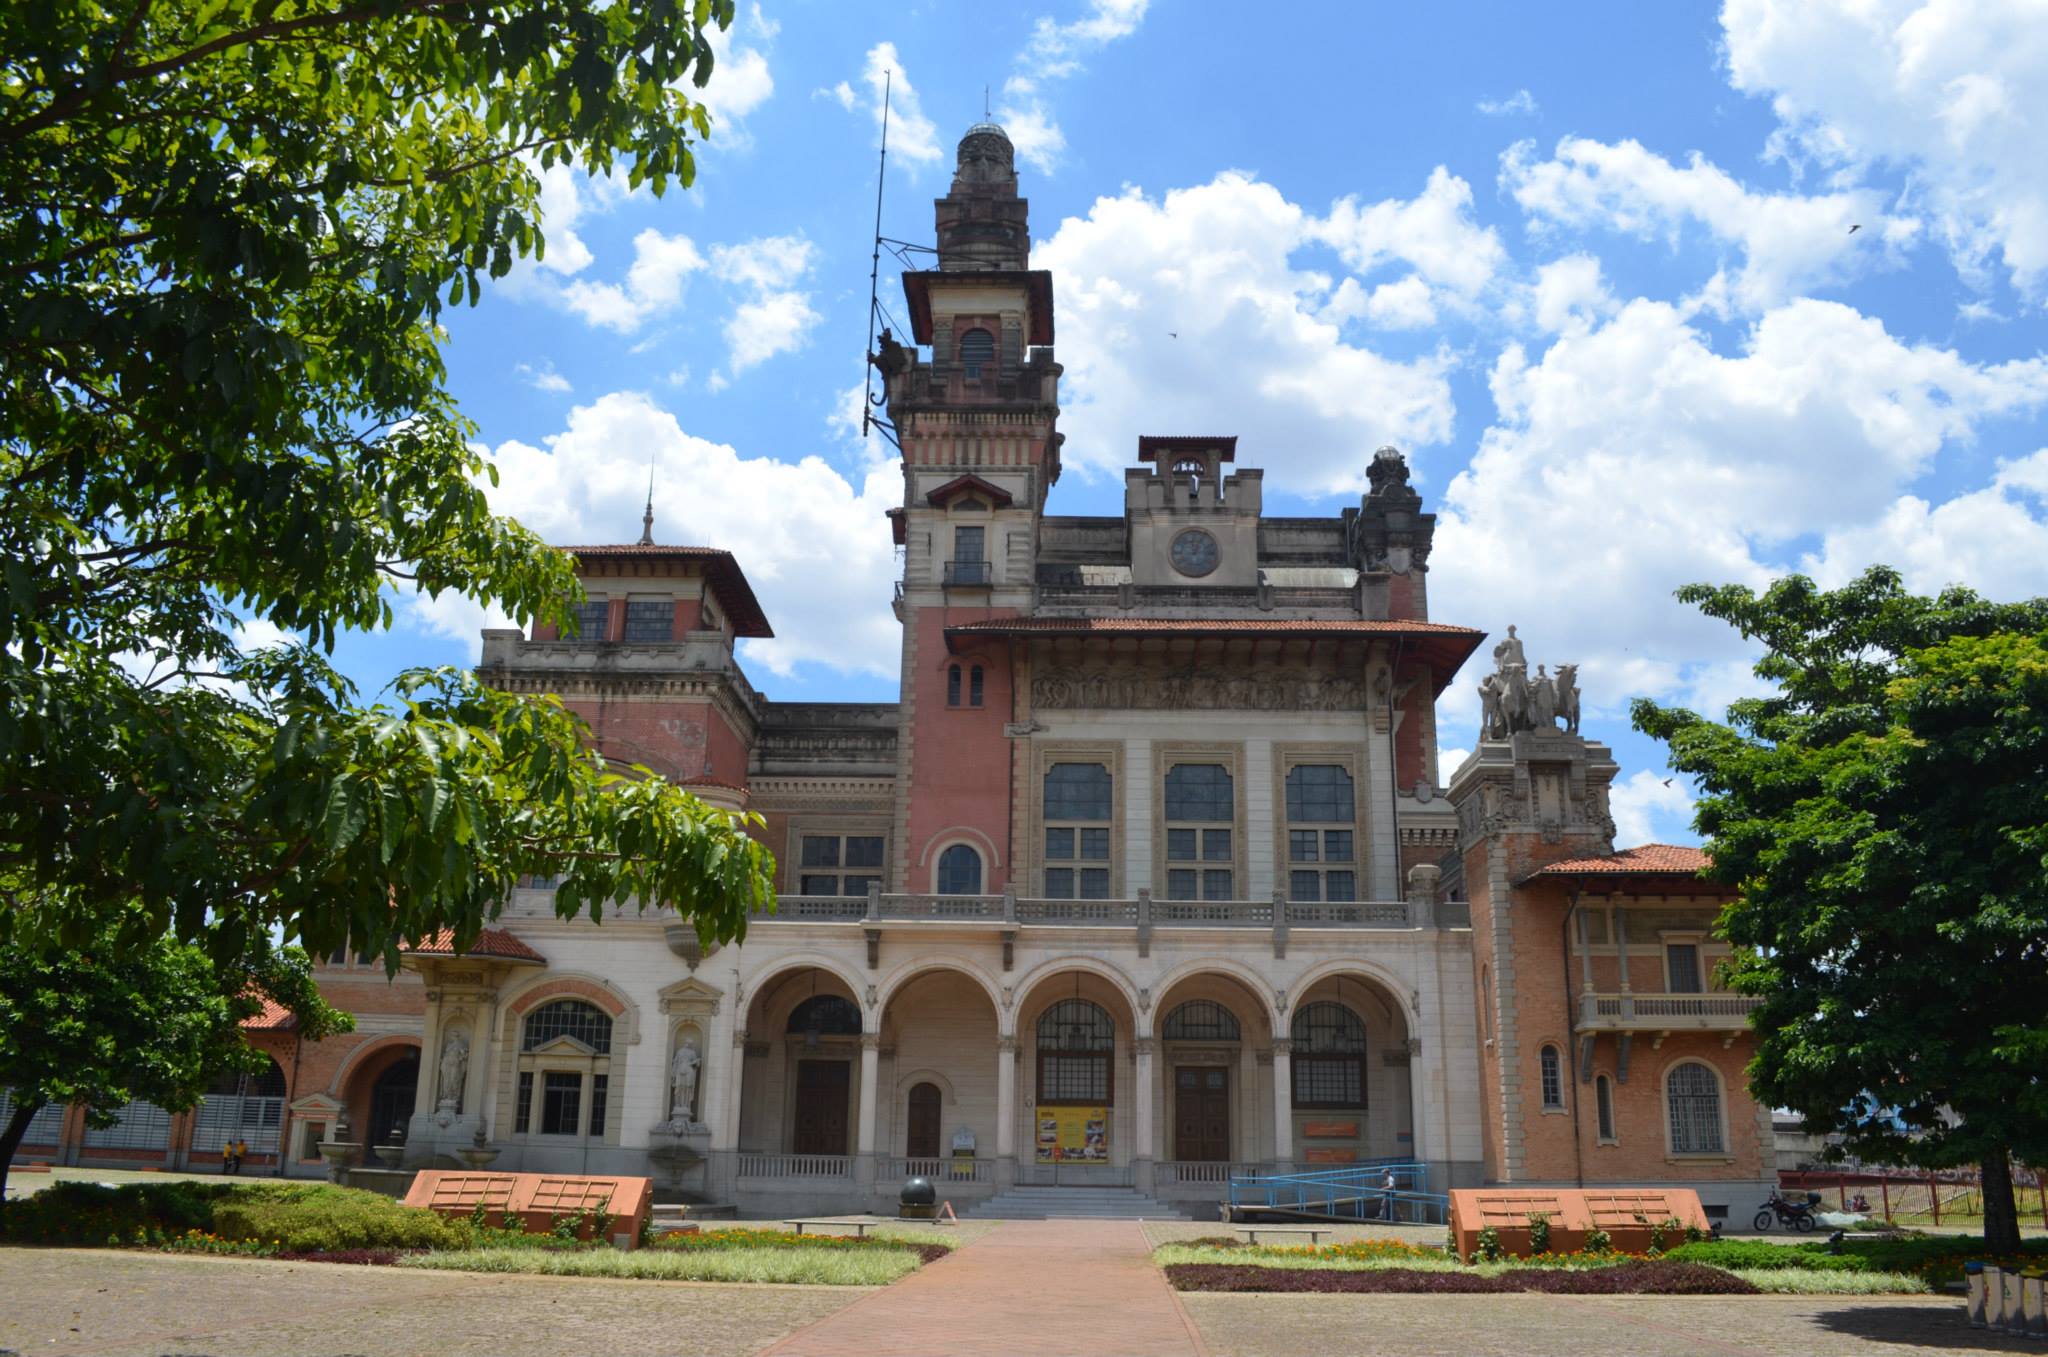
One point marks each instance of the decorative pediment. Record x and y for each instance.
(316, 1106)
(963, 486)
(691, 997)
(565, 1045)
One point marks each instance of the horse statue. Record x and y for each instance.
(1568, 696)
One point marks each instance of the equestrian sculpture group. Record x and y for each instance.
(1511, 701)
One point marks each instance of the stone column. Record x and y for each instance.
(1142, 1161)
(1283, 1105)
(864, 1139)
(1006, 1113)
(729, 1116)
(483, 1048)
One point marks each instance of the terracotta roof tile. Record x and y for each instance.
(495, 943)
(273, 1017)
(1650, 859)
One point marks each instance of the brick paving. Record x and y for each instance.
(1030, 1288)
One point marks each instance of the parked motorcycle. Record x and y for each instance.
(1797, 1215)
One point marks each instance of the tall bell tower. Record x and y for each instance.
(974, 398)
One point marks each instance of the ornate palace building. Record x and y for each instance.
(1150, 877)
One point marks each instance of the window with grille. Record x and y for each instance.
(974, 687)
(1694, 1096)
(1682, 967)
(839, 864)
(523, 1121)
(1201, 1020)
(1077, 824)
(573, 1018)
(592, 618)
(827, 1015)
(959, 871)
(1076, 1039)
(1553, 1078)
(142, 1126)
(1322, 848)
(977, 351)
(1603, 1100)
(1329, 1057)
(46, 1127)
(1200, 829)
(244, 1107)
(953, 686)
(650, 621)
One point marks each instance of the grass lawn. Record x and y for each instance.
(817, 1267)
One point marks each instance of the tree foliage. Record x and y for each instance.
(115, 1021)
(227, 230)
(1884, 816)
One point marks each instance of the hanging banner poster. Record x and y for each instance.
(1073, 1135)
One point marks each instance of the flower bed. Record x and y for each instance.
(1623, 1279)
(1937, 1259)
(927, 1248)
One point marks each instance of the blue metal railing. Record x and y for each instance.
(1355, 1192)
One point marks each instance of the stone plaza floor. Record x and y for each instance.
(1030, 1288)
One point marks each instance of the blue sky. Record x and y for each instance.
(1589, 265)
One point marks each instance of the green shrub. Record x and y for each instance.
(1539, 1232)
(1487, 1249)
(297, 1217)
(1599, 1241)
(1755, 1255)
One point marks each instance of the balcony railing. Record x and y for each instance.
(941, 1170)
(1710, 1012)
(1171, 1172)
(795, 1166)
(969, 573)
(1008, 912)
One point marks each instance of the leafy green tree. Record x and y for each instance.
(117, 1020)
(1884, 816)
(227, 230)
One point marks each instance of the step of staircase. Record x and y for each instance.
(1090, 1203)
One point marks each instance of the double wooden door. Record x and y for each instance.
(821, 1095)
(1201, 1113)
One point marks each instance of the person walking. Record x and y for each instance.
(1387, 1203)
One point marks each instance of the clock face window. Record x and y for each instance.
(1194, 553)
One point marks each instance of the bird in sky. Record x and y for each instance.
(1667, 782)
(1173, 334)
(1857, 227)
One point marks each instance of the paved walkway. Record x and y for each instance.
(1033, 1288)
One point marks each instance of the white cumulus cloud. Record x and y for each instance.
(1519, 104)
(1647, 810)
(774, 317)
(1055, 52)
(654, 283)
(912, 137)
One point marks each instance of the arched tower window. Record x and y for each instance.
(565, 1067)
(1329, 1057)
(1552, 1067)
(977, 351)
(959, 871)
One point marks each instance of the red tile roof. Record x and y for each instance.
(720, 567)
(1650, 859)
(494, 943)
(1439, 644)
(273, 1016)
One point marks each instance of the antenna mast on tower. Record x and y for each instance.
(868, 418)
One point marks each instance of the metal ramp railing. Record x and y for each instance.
(1356, 1192)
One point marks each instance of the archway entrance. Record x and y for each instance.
(392, 1098)
(1083, 1083)
(824, 1085)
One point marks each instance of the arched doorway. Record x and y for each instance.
(824, 1084)
(921, 1131)
(240, 1107)
(1201, 1084)
(392, 1098)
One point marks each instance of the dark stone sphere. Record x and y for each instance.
(919, 1192)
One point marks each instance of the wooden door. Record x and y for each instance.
(821, 1089)
(923, 1139)
(1201, 1113)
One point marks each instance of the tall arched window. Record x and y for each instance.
(1329, 1057)
(921, 1131)
(1322, 851)
(959, 871)
(825, 1015)
(393, 1097)
(1200, 816)
(1553, 1079)
(1075, 1040)
(953, 685)
(1603, 1099)
(974, 687)
(1201, 1020)
(564, 1089)
(977, 351)
(241, 1106)
(1077, 825)
(1694, 1098)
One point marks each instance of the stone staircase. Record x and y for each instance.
(1051, 1203)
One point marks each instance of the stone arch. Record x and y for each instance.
(806, 961)
(927, 1075)
(624, 1013)
(1257, 989)
(359, 1057)
(1398, 989)
(911, 970)
(1141, 1019)
(945, 838)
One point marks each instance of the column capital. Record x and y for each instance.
(1006, 1045)
(739, 1036)
(1144, 1046)
(871, 1041)
(1283, 1046)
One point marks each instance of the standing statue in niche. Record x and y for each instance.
(454, 1065)
(682, 1076)
(1510, 701)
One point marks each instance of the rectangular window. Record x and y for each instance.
(593, 616)
(829, 863)
(1603, 1097)
(600, 1086)
(1322, 859)
(974, 687)
(523, 1114)
(650, 621)
(1205, 794)
(967, 544)
(561, 1103)
(1073, 1078)
(1329, 1081)
(1077, 800)
(1682, 967)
